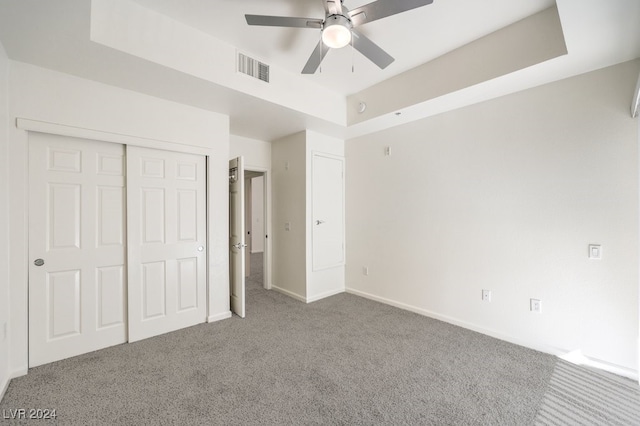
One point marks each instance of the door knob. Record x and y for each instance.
(38, 262)
(200, 248)
(319, 222)
(239, 246)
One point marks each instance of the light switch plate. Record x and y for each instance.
(595, 251)
(536, 305)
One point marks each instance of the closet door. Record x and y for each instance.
(166, 241)
(328, 211)
(77, 277)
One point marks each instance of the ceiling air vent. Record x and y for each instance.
(253, 67)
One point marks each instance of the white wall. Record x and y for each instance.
(506, 195)
(4, 222)
(509, 49)
(288, 197)
(128, 27)
(44, 95)
(256, 153)
(292, 201)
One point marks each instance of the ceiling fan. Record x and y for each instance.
(338, 28)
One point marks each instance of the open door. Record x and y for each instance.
(236, 235)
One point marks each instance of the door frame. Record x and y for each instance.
(19, 235)
(266, 253)
(266, 199)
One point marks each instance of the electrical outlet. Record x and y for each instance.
(536, 305)
(365, 270)
(486, 295)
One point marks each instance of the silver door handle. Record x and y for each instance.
(201, 248)
(38, 262)
(239, 246)
(319, 222)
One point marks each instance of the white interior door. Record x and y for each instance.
(236, 235)
(77, 277)
(166, 241)
(328, 211)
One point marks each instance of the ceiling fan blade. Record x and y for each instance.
(283, 21)
(332, 7)
(382, 8)
(371, 50)
(315, 59)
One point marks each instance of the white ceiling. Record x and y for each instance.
(412, 38)
(55, 34)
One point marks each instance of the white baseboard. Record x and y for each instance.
(3, 387)
(325, 294)
(535, 345)
(289, 293)
(219, 317)
(577, 357)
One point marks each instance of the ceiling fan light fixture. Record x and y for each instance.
(336, 32)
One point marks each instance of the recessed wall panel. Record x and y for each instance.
(153, 224)
(152, 168)
(63, 216)
(187, 215)
(64, 160)
(110, 165)
(63, 303)
(186, 171)
(154, 289)
(110, 217)
(187, 283)
(110, 296)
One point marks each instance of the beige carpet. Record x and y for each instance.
(343, 360)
